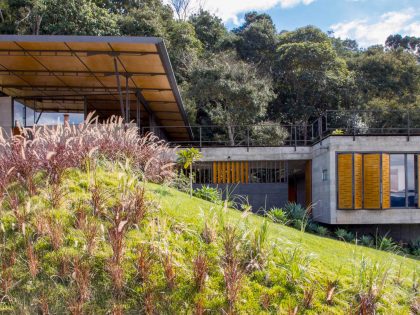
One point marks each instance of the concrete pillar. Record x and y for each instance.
(6, 111)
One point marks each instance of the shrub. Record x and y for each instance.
(295, 211)
(318, 229)
(366, 240)
(268, 133)
(386, 243)
(338, 132)
(180, 182)
(278, 215)
(344, 235)
(53, 150)
(414, 247)
(208, 193)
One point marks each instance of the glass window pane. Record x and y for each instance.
(411, 181)
(18, 114)
(397, 180)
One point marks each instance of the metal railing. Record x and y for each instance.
(332, 122)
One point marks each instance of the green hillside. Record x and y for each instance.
(178, 255)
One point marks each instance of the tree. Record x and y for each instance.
(70, 17)
(182, 8)
(210, 30)
(187, 158)
(184, 48)
(229, 92)
(150, 18)
(310, 78)
(21, 16)
(77, 17)
(407, 43)
(387, 74)
(257, 40)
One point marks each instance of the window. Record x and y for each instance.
(324, 175)
(19, 114)
(25, 116)
(404, 175)
(398, 180)
(377, 180)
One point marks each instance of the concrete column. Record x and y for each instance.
(6, 114)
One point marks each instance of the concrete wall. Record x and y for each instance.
(260, 196)
(322, 189)
(399, 232)
(6, 114)
(256, 153)
(325, 193)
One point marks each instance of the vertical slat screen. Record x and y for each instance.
(345, 181)
(215, 173)
(238, 172)
(358, 181)
(372, 180)
(230, 172)
(386, 188)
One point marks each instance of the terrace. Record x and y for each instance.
(333, 122)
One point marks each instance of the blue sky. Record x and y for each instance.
(367, 21)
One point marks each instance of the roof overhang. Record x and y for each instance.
(59, 73)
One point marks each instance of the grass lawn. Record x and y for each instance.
(331, 259)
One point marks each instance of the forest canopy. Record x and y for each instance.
(250, 75)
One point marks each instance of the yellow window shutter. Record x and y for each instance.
(358, 181)
(238, 172)
(214, 172)
(246, 172)
(371, 181)
(386, 199)
(345, 180)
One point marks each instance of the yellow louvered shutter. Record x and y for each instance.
(372, 180)
(358, 181)
(386, 199)
(238, 172)
(345, 180)
(215, 173)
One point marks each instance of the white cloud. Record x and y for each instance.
(367, 32)
(228, 10)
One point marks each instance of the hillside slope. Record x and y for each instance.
(99, 242)
(330, 259)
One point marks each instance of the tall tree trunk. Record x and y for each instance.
(231, 135)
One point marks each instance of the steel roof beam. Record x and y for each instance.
(65, 88)
(65, 73)
(64, 53)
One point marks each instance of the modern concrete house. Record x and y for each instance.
(357, 169)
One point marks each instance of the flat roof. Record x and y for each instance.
(58, 73)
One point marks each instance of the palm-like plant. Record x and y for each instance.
(187, 158)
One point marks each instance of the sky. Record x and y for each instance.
(367, 21)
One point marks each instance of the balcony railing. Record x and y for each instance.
(332, 122)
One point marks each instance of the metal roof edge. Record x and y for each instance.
(172, 81)
(81, 39)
